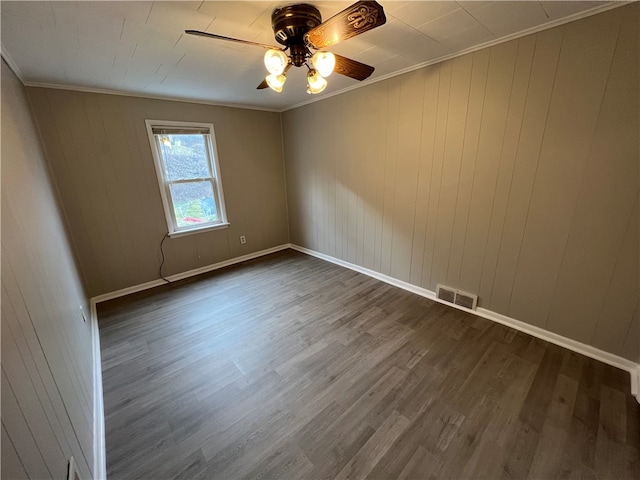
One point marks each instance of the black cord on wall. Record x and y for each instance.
(166, 235)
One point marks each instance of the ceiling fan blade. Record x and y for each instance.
(229, 39)
(263, 85)
(351, 68)
(354, 20)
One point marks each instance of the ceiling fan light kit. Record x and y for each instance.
(300, 28)
(276, 82)
(323, 63)
(275, 61)
(315, 82)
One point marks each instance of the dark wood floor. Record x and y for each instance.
(291, 367)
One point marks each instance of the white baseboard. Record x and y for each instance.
(568, 343)
(635, 382)
(99, 451)
(98, 419)
(191, 273)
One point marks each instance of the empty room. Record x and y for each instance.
(382, 240)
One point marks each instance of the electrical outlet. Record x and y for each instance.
(243, 239)
(84, 317)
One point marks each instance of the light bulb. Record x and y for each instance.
(276, 82)
(275, 61)
(324, 63)
(315, 83)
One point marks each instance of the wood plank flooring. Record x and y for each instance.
(289, 367)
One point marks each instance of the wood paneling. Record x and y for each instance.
(101, 161)
(511, 173)
(543, 69)
(581, 77)
(607, 198)
(47, 357)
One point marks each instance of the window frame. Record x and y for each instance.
(165, 184)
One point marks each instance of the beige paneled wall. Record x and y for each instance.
(47, 362)
(511, 172)
(101, 159)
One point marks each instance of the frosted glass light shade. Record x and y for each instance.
(275, 61)
(276, 82)
(323, 63)
(315, 83)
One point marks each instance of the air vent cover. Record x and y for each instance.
(457, 297)
(447, 294)
(466, 300)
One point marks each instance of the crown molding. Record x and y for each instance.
(507, 38)
(11, 63)
(123, 93)
(539, 28)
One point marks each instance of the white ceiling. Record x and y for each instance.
(140, 47)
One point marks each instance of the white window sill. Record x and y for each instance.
(191, 231)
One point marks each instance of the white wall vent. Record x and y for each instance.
(447, 294)
(457, 297)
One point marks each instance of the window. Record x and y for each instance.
(187, 167)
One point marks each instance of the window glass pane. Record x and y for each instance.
(185, 156)
(193, 203)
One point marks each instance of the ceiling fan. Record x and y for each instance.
(300, 29)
